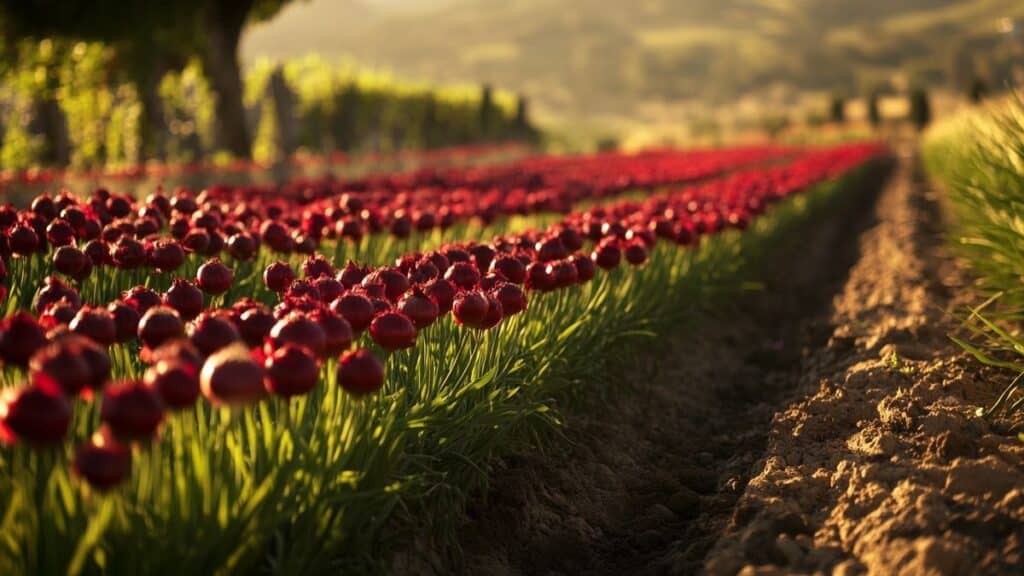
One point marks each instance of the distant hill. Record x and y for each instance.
(600, 56)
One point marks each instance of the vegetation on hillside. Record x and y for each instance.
(616, 56)
(66, 102)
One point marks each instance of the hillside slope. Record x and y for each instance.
(592, 56)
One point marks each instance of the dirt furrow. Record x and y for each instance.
(880, 465)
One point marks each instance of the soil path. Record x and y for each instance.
(881, 467)
(820, 424)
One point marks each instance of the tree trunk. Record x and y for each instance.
(52, 124)
(222, 24)
(284, 112)
(347, 108)
(152, 124)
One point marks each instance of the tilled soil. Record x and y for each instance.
(822, 424)
(881, 467)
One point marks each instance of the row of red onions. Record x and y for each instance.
(157, 232)
(51, 175)
(237, 356)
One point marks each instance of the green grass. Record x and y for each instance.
(979, 159)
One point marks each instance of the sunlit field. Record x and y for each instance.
(477, 287)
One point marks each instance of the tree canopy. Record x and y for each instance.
(152, 36)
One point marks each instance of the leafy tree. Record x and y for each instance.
(219, 32)
(35, 71)
(143, 43)
(349, 105)
(152, 37)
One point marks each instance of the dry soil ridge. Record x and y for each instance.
(883, 468)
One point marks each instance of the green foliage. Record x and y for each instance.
(341, 106)
(265, 148)
(88, 103)
(74, 74)
(188, 108)
(979, 158)
(615, 58)
(146, 36)
(337, 106)
(101, 111)
(20, 149)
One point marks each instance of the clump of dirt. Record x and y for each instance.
(883, 468)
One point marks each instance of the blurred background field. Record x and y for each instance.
(102, 88)
(166, 136)
(627, 69)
